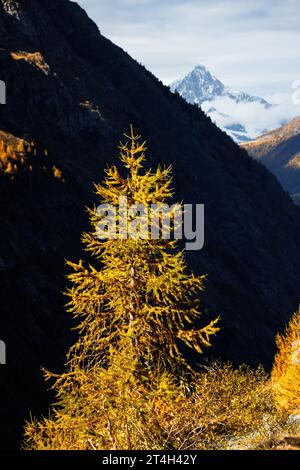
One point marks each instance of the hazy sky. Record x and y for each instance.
(251, 45)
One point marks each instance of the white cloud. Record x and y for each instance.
(255, 118)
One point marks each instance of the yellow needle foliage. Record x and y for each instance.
(18, 155)
(142, 292)
(136, 306)
(12, 157)
(110, 409)
(286, 369)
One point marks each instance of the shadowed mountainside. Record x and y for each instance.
(72, 93)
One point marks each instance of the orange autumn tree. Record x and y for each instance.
(134, 305)
(286, 369)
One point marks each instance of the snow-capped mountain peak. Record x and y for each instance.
(221, 103)
(198, 86)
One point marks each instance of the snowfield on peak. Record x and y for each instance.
(242, 116)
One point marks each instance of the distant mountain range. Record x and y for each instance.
(279, 150)
(204, 89)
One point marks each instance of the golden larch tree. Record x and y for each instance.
(286, 369)
(135, 306)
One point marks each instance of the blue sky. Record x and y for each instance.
(251, 45)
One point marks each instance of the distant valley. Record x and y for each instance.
(279, 150)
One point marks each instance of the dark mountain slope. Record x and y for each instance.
(72, 92)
